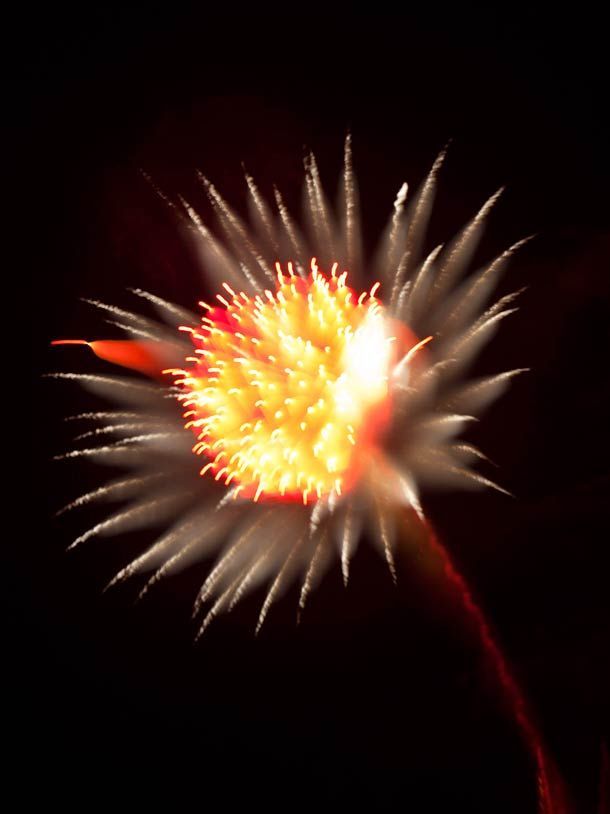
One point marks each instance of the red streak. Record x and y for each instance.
(551, 797)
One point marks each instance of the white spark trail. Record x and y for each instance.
(443, 425)
(219, 605)
(278, 583)
(112, 491)
(467, 300)
(167, 567)
(216, 259)
(351, 213)
(314, 571)
(123, 442)
(236, 232)
(390, 251)
(409, 491)
(349, 537)
(386, 534)
(225, 561)
(134, 320)
(418, 287)
(468, 452)
(133, 331)
(476, 395)
(397, 227)
(159, 192)
(134, 517)
(460, 253)
(170, 345)
(326, 228)
(128, 391)
(419, 218)
(112, 428)
(101, 416)
(193, 538)
(498, 306)
(292, 235)
(165, 543)
(467, 346)
(262, 214)
(169, 310)
(321, 508)
(247, 578)
(476, 478)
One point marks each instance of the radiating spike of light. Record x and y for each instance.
(262, 213)
(138, 515)
(152, 555)
(112, 491)
(278, 582)
(170, 564)
(223, 563)
(294, 239)
(236, 232)
(419, 217)
(219, 605)
(323, 214)
(175, 314)
(460, 253)
(314, 570)
(466, 302)
(219, 263)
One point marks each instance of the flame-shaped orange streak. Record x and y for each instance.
(148, 357)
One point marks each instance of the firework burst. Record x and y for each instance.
(319, 403)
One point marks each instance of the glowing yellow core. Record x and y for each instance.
(285, 390)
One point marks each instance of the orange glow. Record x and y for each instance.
(136, 354)
(287, 392)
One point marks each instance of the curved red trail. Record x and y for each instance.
(551, 797)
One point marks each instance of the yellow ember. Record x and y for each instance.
(286, 391)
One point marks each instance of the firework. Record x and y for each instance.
(307, 405)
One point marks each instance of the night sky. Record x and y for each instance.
(381, 698)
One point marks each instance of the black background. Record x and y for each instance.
(380, 698)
